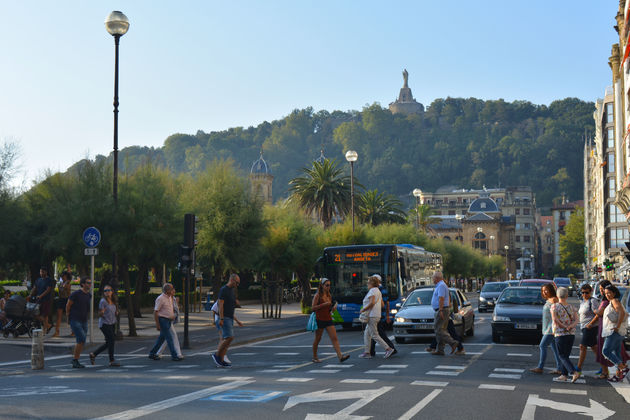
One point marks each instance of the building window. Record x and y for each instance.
(611, 138)
(611, 188)
(609, 112)
(517, 238)
(528, 225)
(517, 211)
(480, 241)
(525, 211)
(526, 238)
(451, 212)
(611, 162)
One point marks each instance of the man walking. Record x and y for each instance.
(43, 294)
(77, 310)
(164, 314)
(227, 305)
(441, 303)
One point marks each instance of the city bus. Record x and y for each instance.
(403, 267)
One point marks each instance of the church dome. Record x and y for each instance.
(260, 166)
(483, 204)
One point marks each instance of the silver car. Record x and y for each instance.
(415, 317)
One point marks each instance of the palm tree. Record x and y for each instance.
(376, 208)
(425, 217)
(323, 189)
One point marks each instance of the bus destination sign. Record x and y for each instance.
(357, 256)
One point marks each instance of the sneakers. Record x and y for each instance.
(177, 359)
(388, 353)
(365, 356)
(114, 363)
(154, 357)
(226, 360)
(76, 364)
(216, 360)
(536, 370)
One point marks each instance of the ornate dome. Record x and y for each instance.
(484, 204)
(260, 166)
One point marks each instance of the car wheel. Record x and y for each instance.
(471, 331)
(496, 338)
(400, 340)
(481, 311)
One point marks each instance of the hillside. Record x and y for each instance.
(466, 142)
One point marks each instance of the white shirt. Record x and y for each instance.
(164, 306)
(375, 312)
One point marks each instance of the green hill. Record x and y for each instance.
(466, 142)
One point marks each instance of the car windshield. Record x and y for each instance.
(521, 296)
(562, 281)
(419, 297)
(533, 283)
(493, 287)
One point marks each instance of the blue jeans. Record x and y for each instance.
(612, 348)
(165, 334)
(79, 329)
(565, 344)
(546, 341)
(227, 330)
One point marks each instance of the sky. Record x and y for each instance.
(211, 65)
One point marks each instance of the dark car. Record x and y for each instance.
(564, 282)
(535, 282)
(415, 317)
(489, 294)
(518, 313)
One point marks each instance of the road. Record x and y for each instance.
(275, 379)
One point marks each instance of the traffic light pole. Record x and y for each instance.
(186, 297)
(189, 252)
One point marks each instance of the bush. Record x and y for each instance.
(10, 283)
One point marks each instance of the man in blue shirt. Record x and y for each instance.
(43, 292)
(441, 303)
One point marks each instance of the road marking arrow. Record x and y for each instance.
(364, 396)
(596, 410)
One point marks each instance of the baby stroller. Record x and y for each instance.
(22, 317)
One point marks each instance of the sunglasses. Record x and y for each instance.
(107, 290)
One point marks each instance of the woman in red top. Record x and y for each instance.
(323, 306)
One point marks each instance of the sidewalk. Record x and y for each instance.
(250, 314)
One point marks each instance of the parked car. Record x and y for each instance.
(535, 282)
(489, 294)
(518, 313)
(564, 282)
(415, 316)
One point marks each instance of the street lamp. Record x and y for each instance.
(506, 261)
(417, 192)
(117, 25)
(351, 156)
(491, 244)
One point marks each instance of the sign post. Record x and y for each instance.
(91, 239)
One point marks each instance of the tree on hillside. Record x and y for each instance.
(324, 189)
(375, 208)
(572, 243)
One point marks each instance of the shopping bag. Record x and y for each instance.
(312, 323)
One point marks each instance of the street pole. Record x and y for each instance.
(352, 191)
(186, 294)
(92, 301)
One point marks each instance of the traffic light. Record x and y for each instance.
(609, 265)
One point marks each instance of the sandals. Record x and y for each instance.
(602, 376)
(555, 372)
(92, 358)
(315, 360)
(344, 358)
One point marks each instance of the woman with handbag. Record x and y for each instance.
(614, 321)
(173, 333)
(323, 306)
(371, 314)
(107, 311)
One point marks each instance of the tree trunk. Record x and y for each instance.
(141, 282)
(216, 280)
(123, 271)
(305, 287)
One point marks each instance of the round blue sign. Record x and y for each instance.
(91, 237)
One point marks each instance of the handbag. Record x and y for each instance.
(363, 317)
(311, 325)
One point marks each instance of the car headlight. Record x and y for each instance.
(497, 318)
(482, 299)
(393, 311)
(400, 319)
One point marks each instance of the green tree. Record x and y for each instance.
(572, 242)
(376, 208)
(324, 189)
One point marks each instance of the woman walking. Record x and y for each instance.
(548, 292)
(322, 305)
(178, 350)
(564, 317)
(589, 331)
(372, 309)
(614, 321)
(107, 311)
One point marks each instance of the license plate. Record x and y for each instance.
(424, 326)
(526, 326)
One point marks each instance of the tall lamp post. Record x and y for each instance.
(491, 245)
(351, 156)
(117, 25)
(506, 261)
(417, 192)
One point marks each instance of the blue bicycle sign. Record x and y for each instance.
(91, 237)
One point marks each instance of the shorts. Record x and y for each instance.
(79, 329)
(589, 337)
(61, 303)
(44, 307)
(324, 324)
(227, 330)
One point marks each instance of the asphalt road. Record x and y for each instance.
(275, 379)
